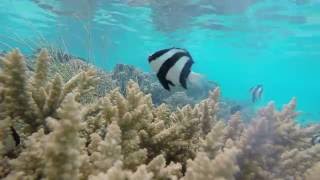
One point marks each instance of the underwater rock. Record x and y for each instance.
(149, 84)
(229, 107)
(179, 99)
(121, 74)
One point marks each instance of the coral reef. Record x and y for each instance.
(68, 66)
(67, 131)
(313, 173)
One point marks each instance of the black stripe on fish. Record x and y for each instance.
(166, 66)
(185, 73)
(254, 98)
(158, 54)
(165, 83)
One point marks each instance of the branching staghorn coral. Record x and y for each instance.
(266, 142)
(27, 100)
(123, 135)
(35, 98)
(176, 135)
(306, 159)
(118, 173)
(160, 171)
(104, 153)
(16, 99)
(156, 169)
(30, 163)
(132, 114)
(313, 173)
(223, 166)
(68, 66)
(62, 151)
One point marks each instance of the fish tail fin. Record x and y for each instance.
(196, 79)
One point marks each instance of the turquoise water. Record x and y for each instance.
(237, 43)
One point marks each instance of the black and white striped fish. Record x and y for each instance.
(173, 67)
(256, 92)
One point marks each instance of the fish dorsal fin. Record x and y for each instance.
(158, 54)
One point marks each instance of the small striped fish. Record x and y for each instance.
(256, 92)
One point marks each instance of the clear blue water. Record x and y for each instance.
(237, 43)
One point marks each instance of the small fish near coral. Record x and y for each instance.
(15, 136)
(256, 93)
(173, 67)
(315, 139)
